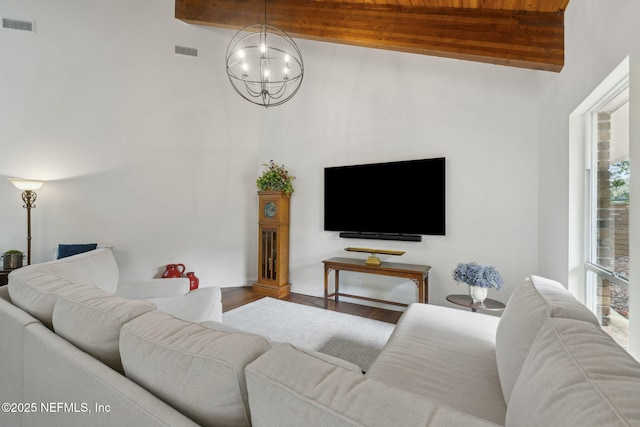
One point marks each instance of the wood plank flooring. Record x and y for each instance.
(236, 297)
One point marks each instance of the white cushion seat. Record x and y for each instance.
(446, 355)
(292, 387)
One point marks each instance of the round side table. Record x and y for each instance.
(466, 301)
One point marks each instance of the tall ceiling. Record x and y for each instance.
(519, 33)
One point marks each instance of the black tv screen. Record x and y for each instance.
(406, 197)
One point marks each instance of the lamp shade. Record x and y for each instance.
(26, 184)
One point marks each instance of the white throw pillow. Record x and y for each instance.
(575, 375)
(91, 319)
(528, 308)
(97, 268)
(193, 368)
(36, 292)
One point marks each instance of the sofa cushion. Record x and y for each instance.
(36, 292)
(195, 369)
(34, 288)
(221, 327)
(73, 389)
(91, 319)
(13, 322)
(528, 308)
(96, 268)
(446, 355)
(575, 375)
(292, 387)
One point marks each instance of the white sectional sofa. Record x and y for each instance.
(545, 362)
(74, 354)
(78, 355)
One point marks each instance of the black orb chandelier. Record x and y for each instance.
(264, 64)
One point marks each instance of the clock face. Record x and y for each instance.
(270, 210)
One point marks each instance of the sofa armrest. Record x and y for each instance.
(153, 288)
(4, 293)
(196, 306)
(290, 387)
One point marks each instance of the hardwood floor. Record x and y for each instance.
(236, 297)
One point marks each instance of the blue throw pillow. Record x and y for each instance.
(69, 250)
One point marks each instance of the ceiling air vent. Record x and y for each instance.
(14, 24)
(189, 51)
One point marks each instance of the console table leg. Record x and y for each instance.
(326, 288)
(425, 284)
(337, 285)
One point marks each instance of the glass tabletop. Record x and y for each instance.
(466, 301)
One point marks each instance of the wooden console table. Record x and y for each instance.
(419, 274)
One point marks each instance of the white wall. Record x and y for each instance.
(140, 145)
(155, 153)
(599, 35)
(362, 105)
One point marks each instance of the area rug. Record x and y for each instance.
(348, 337)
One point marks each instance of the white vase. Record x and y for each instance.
(478, 294)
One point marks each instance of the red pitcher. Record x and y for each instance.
(173, 270)
(193, 281)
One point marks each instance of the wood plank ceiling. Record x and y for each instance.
(519, 33)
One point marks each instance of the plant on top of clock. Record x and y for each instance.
(275, 178)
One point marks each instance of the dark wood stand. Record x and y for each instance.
(419, 274)
(273, 244)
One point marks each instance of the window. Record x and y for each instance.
(608, 172)
(600, 163)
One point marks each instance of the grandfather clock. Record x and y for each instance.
(273, 244)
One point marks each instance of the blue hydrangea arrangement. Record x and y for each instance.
(474, 274)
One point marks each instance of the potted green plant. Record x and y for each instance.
(275, 178)
(479, 278)
(12, 259)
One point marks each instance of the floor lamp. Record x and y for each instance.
(29, 196)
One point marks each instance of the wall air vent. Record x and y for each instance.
(14, 24)
(189, 51)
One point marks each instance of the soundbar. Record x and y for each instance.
(381, 236)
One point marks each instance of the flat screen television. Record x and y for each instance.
(386, 200)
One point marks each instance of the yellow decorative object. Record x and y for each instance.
(373, 259)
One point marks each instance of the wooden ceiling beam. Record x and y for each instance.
(515, 5)
(515, 38)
